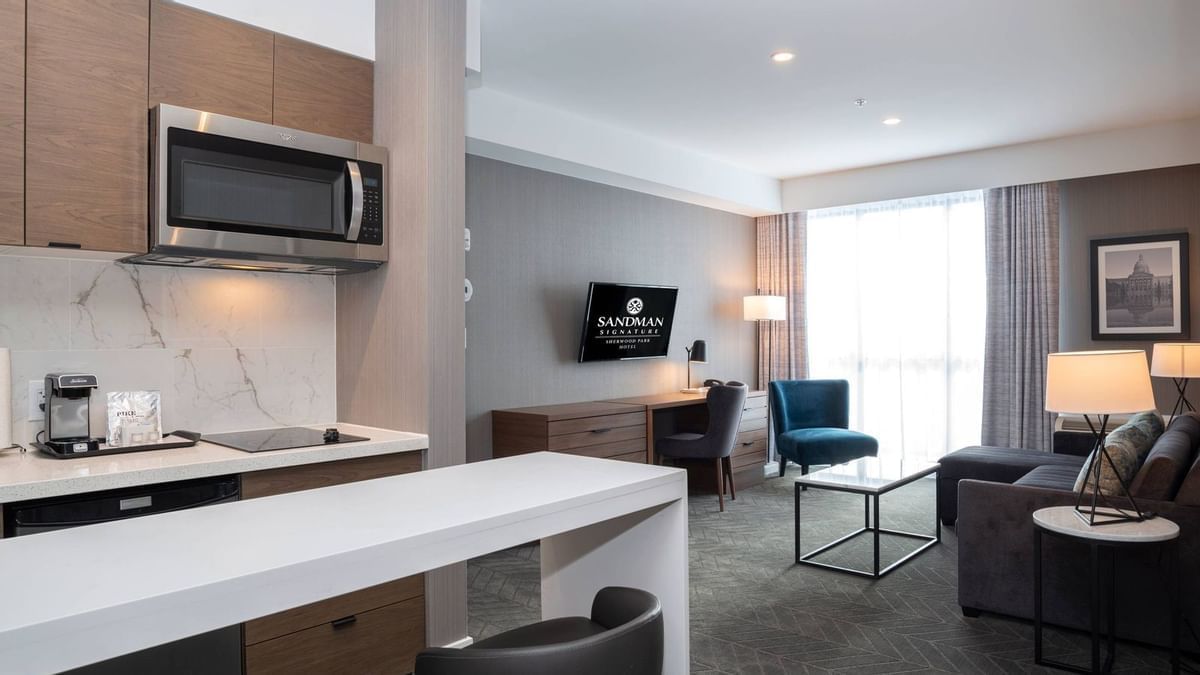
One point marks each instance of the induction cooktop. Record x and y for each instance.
(284, 438)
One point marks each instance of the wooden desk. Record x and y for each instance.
(592, 429)
(625, 429)
(676, 412)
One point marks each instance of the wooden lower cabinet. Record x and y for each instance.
(382, 640)
(375, 630)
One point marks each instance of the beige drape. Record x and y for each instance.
(782, 346)
(1022, 314)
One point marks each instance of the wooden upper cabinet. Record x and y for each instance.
(322, 90)
(12, 121)
(86, 123)
(203, 61)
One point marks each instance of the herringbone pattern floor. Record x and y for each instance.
(754, 611)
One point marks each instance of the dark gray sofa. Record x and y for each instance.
(996, 491)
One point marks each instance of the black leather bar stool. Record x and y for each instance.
(623, 636)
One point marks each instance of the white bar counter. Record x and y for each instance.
(73, 597)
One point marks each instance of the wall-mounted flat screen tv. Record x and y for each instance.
(625, 321)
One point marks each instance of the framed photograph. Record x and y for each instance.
(1140, 288)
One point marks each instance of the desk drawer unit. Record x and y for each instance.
(593, 429)
(750, 447)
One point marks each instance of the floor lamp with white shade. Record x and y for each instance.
(762, 309)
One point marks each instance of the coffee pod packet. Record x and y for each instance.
(134, 418)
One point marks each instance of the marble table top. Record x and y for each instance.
(869, 475)
(1064, 520)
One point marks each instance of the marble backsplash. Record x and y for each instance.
(227, 349)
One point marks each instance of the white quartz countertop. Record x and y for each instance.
(32, 475)
(159, 578)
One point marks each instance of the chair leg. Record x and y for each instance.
(729, 476)
(720, 485)
(782, 465)
(803, 472)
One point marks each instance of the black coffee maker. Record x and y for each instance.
(68, 413)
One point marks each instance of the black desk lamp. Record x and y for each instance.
(697, 353)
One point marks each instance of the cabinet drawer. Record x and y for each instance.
(749, 454)
(751, 435)
(756, 459)
(575, 426)
(318, 613)
(597, 436)
(384, 640)
(639, 457)
(611, 449)
(753, 402)
(753, 425)
(324, 474)
(754, 414)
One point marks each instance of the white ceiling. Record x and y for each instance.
(962, 74)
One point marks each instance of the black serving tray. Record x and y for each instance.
(175, 439)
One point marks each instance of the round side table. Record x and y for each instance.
(1063, 522)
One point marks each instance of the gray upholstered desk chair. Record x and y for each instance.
(725, 403)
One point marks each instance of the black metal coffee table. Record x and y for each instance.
(869, 477)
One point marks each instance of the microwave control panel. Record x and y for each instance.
(372, 215)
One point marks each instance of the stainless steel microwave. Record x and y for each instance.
(232, 193)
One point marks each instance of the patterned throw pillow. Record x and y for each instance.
(1127, 446)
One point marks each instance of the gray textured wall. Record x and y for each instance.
(1141, 202)
(538, 238)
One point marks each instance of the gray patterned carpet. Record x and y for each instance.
(754, 611)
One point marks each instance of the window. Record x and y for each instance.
(896, 295)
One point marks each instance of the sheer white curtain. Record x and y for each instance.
(896, 299)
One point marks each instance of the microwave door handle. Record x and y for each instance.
(356, 200)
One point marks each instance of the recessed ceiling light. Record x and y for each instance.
(782, 56)
(892, 121)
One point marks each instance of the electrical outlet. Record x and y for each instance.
(37, 400)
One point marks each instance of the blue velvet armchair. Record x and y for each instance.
(811, 419)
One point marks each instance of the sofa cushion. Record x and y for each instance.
(1126, 448)
(1168, 462)
(1052, 476)
(1188, 493)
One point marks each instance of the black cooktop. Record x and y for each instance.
(284, 438)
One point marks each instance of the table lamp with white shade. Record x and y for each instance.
(1098, 384)
(1179, 361)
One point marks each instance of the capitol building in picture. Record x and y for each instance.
(1140, 299)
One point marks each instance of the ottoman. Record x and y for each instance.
(999, 465)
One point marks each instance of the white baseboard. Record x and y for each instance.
(459, 644)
